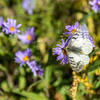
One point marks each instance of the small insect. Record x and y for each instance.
(79, 48)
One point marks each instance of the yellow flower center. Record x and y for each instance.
(29, 37)
(11, 29)
(73, 31)
(64, 51)
(25, 58)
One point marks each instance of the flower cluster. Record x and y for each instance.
(10, 27)
(74, 85)
(22, 57)
(95, 5)
(78, 79)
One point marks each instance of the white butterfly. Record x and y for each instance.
(78, 48)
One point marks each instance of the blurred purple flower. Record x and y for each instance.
(11, 27)
(1, 21)
(28, 37)
(61, 52)
(95, 5)
(35, 68)
(28, 6)
(23, 57)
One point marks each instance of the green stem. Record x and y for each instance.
(45, 87)
(32, 85)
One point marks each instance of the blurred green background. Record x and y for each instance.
(49, 20)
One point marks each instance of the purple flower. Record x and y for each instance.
(28, 37)
(23, 57)
(61, 52)
(28, 6)
(71, 30)
(1, 21)
(95, 5)
(35, 68)
(10, 27)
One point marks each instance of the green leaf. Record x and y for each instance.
(22, 71)
(22, 82)
(30, 95)
(97, 84)
(3, 68)
(93, 66)
(94, 52)
(4, 86)
(48, 74)
(3, 97)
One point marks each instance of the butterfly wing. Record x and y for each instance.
(77, 60)
(82, 29)
(83, 43)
